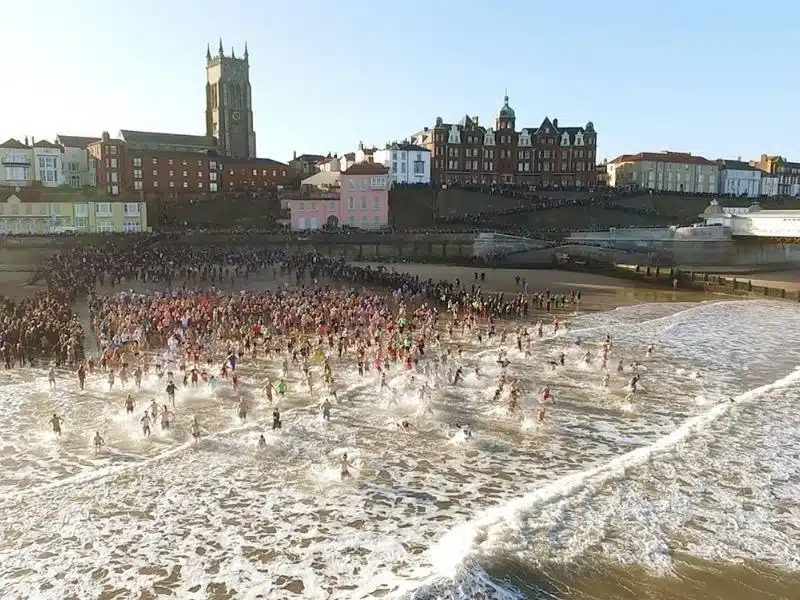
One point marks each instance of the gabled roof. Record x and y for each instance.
(549, 125)
(14, 143)
(46, 144)
(681, 158)
(75, 141)
(167, 139)
(350, 156)
(366, 169)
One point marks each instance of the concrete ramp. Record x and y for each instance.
(487, 245)
(599, 254)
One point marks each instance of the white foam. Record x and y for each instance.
(451, 551)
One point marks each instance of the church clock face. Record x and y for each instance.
(236, 116)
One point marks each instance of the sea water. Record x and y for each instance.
(678, 470)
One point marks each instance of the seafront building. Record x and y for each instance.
(407, 163)
(665, 172)
(37, 209)
(550, 154)
(357, 197)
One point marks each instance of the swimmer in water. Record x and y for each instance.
(129, 405)
(466, 430)
(98, 441)
(405, 426)
(606, 377)
(345, 466)
(262, 443)
(276, 419)
(56, 422)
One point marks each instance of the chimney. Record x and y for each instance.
(739, 158)
(555, 123)
(33, 141)
(476, 120)
(26, 140)
(426, 129)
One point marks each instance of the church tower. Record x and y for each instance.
(229, 105)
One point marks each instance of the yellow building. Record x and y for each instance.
(664, 172)
(40, 210)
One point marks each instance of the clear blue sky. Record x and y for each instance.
(716, 78)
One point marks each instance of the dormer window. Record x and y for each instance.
(547, 130)
(524, 138)
(488, 139)
(455, 136)
(565, 139)
(579, 139)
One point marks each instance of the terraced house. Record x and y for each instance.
(37, 209)
(550, 154)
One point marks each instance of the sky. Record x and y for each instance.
(719, 79)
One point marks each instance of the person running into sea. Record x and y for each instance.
(81, 375)
(129, 405)
(170, 389)
(51, 378)
(241, 409)
(111, 379)
(98, 441)
(56, 422)
(325, 407)
(165, 417)
(195, 430)
(276, 419)
(262, 442)
(145, 421)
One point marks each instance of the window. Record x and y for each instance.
(379, 182)
(81, 222)
(113, 150)
(137, 185)
(115, 177)
(172, 184)
(376, 202)
(131, 209)
(185, 184)
(169, 162)
(131, 227)
(351, 220)
(171, 173)
(364, 222)
(102, 209)
(351, 204)
(283, 172)
(363, 185)
(274, 172)
(115, 190)
(155, 183)
(212, 187)
(212, 176)
(199, 163)
(105, 227)
(212, 165)
(363, 203)
(183, 163)
(200, 174)
(376, 221)
(155, 161)
(137, 173)
(394, 167)
(351, 184)
(155, 173)
(113, 163)
(137, 162)
(185, 174)
(75, 180)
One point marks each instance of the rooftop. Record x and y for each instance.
(682, 158)
(366, 169)
(167, 139)
(75, 141)
(14, 144)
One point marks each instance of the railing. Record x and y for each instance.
(16, 162)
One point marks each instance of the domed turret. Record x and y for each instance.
(507, 112)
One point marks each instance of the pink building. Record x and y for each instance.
(362, 201)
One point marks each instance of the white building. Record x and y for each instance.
(752, 221)
(48, 163)
(407, 163)
(769, 185)
(364, 154)
(738, 178)
(16, 163)
(665, 172)
(80, 168)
